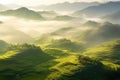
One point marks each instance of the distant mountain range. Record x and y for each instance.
(23, 13)
(64, 18)
(106, 32)
(93, 9)
(66, 6)
(114, 17)
(48, 14)
(100, 10)
(26, 13)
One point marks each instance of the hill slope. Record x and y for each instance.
(102, 33)
(20, 62)
(23, 13)
(65, 44)
(114, 17)
(104, 64)
(106, 52)
(100, 10)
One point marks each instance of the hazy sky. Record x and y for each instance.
(37, 2)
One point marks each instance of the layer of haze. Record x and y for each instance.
(15, 28)
(45, 2)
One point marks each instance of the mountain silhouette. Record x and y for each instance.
(23, 12)
(114, 17)
(66, 6)
(100, 10)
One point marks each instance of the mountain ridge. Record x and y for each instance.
(23, 12)
(66, 6)
(100, 10)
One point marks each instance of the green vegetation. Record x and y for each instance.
(49, 58)
(20, 62)
(58, 61)
(90, 69)
(62, 47)
(57, 52)
(65, 44)
(106, 52)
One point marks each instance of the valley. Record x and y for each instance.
(44, 43)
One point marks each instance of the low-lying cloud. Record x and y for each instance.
(15, 29)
